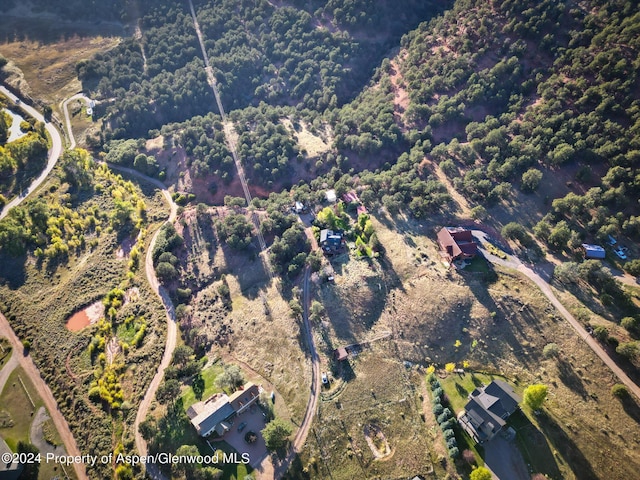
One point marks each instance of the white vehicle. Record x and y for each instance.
(325, 379)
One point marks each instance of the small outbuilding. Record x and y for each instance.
(331, 196)
(340, 354)
(593, 251)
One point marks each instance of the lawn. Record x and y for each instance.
(185, 434)
(209, 375)
(15, 402)
(459, 386)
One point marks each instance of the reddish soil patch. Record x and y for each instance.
(85, 317)
(78, 321)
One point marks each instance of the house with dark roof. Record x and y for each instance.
(488, 409)
(456, 243)
(331, 242)
(216, 413)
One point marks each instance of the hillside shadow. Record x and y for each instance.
(46, 30)
(12, 271)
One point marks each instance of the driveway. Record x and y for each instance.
(255, 423)
(504, 460)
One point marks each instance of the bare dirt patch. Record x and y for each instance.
(377, 441)
(313, 144)
(85, 317)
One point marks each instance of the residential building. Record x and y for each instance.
(456, 243)
(488, 409)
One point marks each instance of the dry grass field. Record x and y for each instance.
(502, 327)
(259, 331)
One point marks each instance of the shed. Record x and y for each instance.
(331, 196)
(340, 354)
(593, 251)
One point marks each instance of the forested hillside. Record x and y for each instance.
(280, 54)
(505, 90)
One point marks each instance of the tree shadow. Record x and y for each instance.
(198, 386)
(631, 407)
(566, 447)
(463, 392)
(568, 376)
(534, 446)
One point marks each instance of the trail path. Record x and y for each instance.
(312, 404)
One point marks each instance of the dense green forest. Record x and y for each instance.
(282, 55)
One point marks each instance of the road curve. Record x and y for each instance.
(67, 117)
(141, 445)
(25, 360)
(516, 264)
(54, 152)
(316, 385)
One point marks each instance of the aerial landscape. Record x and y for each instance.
(320, 239)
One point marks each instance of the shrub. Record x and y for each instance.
(454, 452)
(469, 457)
(630, 324)
(550, 350)
(620, 391)
(435, 385)
(448, 424)
(437, 409)
(628, 350)
(449, 433)
(437, 393)
(451, 443)
(444, 416)
(534, 396)
(601, 333)
(531, 180)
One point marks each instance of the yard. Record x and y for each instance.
(18, 411)
(207, 377)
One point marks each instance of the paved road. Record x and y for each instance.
(25, 361)
(504, 460)
(515, 263)
(54, 152)
(7, 369)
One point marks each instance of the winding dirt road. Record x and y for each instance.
(24, 359)
(54, 152)
(516, 264)
(316, 385)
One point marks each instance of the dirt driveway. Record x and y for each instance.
(255, 422)
(504, 460)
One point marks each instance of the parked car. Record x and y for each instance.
(620, 252)
(325, 379)
(241, 426)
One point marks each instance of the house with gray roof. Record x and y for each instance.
(217, 412)
(488, 409)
